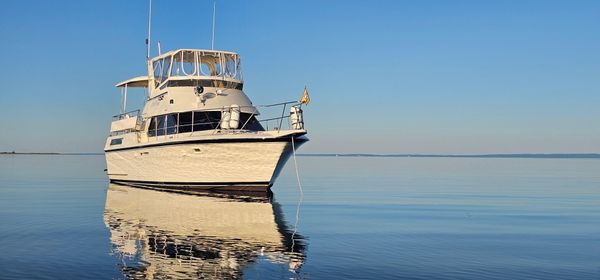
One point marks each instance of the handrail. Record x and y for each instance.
(248, 106)
(133, 113)
(277, 104)
(275, 123)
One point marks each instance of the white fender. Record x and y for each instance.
(225, 117)
(234, 119)
(296, 118)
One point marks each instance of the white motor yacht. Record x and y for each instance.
(198, 130)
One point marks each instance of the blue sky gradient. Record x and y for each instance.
(384, 76)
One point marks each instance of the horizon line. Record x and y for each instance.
(482, 155)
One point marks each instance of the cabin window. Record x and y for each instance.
(185, 122)
(206, 120)
(187, 63)
(184, 64)
(204, 69)
(165, 69)
(171, 123)
(238, 69)
(230, 66)
(161, 69)
(160, 125)
(152, 127)
(116, 141)
(250, 121)
(210, 64)
(233, 67)
(157, 70)
(197, 121)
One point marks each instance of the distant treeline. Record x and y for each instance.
(460, 156)
(32, 153)
(19, 153)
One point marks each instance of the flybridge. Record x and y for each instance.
(191, 63)
(188, 68)
(180, 67)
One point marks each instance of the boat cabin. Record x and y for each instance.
(189, 90)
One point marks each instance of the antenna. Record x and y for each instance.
(149, 28)
(212, 46)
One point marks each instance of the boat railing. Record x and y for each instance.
(130, 114)
(273, 117)
(126, 122)
(274, 121)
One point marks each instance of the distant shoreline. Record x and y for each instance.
(15, 153)
(533, 156)
(47, 154)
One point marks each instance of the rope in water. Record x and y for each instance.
(301, 195)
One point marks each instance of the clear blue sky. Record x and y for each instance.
(384, 76)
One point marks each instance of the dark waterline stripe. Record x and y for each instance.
(184, 184)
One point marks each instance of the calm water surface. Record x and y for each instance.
(360, 218)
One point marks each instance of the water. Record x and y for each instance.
(360, 218)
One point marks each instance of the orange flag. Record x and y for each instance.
(305, 98)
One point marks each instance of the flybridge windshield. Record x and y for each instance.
(197, 63)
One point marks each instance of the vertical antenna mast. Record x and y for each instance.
(149, 26)
(212, 46)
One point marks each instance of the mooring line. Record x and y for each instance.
(301, 195)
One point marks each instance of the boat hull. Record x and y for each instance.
(230, 166)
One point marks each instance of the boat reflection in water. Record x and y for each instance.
(160, 235)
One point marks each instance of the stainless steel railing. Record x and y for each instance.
(130, 114)
(274, 117)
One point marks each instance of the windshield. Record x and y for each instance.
(197, 63)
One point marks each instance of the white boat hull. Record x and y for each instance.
(234, 166)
